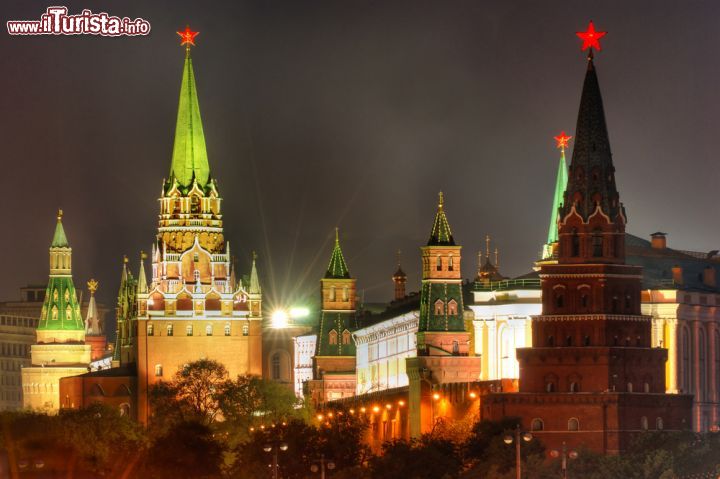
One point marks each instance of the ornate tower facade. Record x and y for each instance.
(591, 377)
(192, 307)
(60, 350)
(334, 361)
(443, 343)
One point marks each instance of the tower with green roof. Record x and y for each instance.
(334, 361)
(560, 185)
(60, 350)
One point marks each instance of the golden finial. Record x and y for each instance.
(441, 199)
(337, 234)
(93, 285)
(142, 255)
(125, 259)
(59, 215)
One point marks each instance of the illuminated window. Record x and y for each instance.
(455, 348)
(158, 370)
(246, 329)
(227, 329)
(450, 263)
(644, 423)
(189, 330)
(345, 293)
(629, 387)
(332, 337)
(54, 312)
(452, 307)
(150, 329)
(438, 264)
(346, 337)
(439, 307)
(169, 329)
(332, 293)
(208, 330)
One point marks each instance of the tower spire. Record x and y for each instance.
(189, 159)
(92, 319)
(142, 281)
(337, 267)
(254, 281)
(441, 235)
(560, 186)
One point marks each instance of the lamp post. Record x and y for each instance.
(275, 447)
(324, 465)
(508, 439)
(564, 456)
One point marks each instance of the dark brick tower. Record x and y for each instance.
(591, 377)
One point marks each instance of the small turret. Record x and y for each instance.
(399, 279)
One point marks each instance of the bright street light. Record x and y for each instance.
(279, 319)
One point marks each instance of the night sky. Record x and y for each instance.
(355, 114)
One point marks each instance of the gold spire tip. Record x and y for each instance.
(125, 259)
(92, 285)
(142, 255)
(59, 215)
(441, 199)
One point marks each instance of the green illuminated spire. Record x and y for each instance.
(441, 234)
(337, 268)
(189, 160)
(60, 310)
(59, 239)
(560, 185)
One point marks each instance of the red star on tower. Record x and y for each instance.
(188, 36)
(590, 37)
(562, 140)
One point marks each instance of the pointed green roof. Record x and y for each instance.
(560, 185)
(441, 235)
(337, 269)
(189, 160)
(254, 281)
(59, 239)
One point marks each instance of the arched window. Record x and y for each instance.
(659, 424)
(551, 383)
(450, 263)
(208, 330)
(574, 387)
(332, 337)
(537, 424)
(55, 311)
(452, 307)
(559, 299)
(644, 423)
(597, 243)
(227, 329)
(569, 341)
(455, 347)
(331, 296)
(646, 387)
(551, 341)
(439, 307)
(246, 329)
(573, 424)
(189, 330)
(158, 370)
(586, 340)
(629, 387)
(276, 366)
(584, 299)
(345, 296)
(169, 329)
(346, 337)
(150, 329)
(438, 264)
(124, 409)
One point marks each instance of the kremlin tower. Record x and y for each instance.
(591, 377)
(334, 360)
(443, 342)
(189, 306)
(93, 330)
(60, 350)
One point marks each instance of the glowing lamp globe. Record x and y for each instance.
(279, 319)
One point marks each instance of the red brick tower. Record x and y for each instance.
(591, 377)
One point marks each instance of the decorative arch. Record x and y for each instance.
(332, 337)
(573, 424)
(537, 424)
(439, 307)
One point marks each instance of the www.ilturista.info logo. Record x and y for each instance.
(56, 21)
